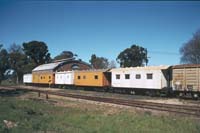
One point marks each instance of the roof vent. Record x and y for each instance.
(67, 59)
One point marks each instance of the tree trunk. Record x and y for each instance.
(17, 79)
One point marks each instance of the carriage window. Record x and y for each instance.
(49, 77)
(79, 77)
(138, 76)
(95, 76)
(149, 76)
(84, 77)
(117, 76)
(127, 76)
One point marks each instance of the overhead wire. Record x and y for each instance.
(164, 52)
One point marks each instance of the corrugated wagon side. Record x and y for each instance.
(186, 80)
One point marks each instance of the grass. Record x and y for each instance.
(39, 116)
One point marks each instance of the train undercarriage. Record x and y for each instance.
(165, 92)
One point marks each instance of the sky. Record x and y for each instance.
(103, 28)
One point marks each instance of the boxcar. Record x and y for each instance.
(141, 78)
(186, 80)
(27, 78)
(92, 78)
(64, 78)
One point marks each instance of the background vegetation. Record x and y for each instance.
(21, 59)
(190, 51)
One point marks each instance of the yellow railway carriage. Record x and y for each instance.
(44, 78)
(93, 78)
(45, 73)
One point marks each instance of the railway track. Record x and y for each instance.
(179, 109)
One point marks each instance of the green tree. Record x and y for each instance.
(37, 51)
(17, 61)
(133, 56)
(65, 55)
(190, 51)
(3, 62)
(99, 62)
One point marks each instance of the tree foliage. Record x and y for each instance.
(133, 56)
(190, 51)
(99, 62)
(38, 51)
(17, 61)
(65, 55)
(3, 62)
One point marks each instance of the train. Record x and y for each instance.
(176, 80)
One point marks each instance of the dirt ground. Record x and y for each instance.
(107, 108)
(126, 96)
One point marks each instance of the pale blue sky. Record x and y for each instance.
(103, 28)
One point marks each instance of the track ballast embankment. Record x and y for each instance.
(175, 108)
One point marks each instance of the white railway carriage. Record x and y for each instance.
(149, 77)
(27, 78)
(64, 78)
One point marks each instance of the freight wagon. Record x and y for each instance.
(186, 80)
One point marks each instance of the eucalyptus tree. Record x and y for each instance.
(99, 62)
(190, 51)
(133, 56)
(17, 61)
(4, 65)
(37, 51)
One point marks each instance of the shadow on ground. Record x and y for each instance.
(7, 93)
